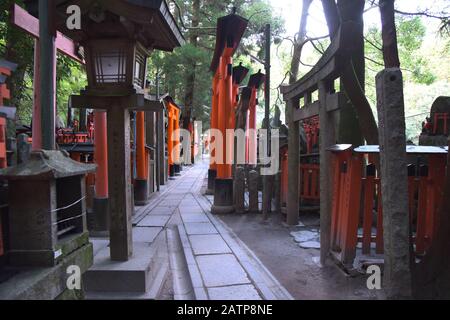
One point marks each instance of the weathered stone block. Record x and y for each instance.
(394, 183)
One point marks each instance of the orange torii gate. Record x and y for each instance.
(173, 136)
(6, 68)
(30, 24)
(230, 30)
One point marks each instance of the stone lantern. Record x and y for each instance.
(117, 36)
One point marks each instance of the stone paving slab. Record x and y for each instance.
(169, 203)
(160, 210)
(241, 292)
(194, 217)
(190, 210)
(193, 228)
(154, 221)
(208, 244)
(177, 196)
(145, 234)
(221, 270)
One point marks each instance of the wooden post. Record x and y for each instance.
(36, 124)
(327, 139)
(141, 183)
(119, 183)
(267, 180)
(177, 143)
(394, 184)
(47, 76)
(161, 132)
(251, 144)
(101, 206)
(293, 165)
(170, 116)
(28, 23)
(222, 119)
(150, 138)
(212, 172)
(223, 186)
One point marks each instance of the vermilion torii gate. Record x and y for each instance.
(28, 23)
(230, 30)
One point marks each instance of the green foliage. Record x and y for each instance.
(410, 36)
(422, 67)
(176, 66)
(18, 47)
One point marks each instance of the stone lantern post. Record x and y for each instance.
(117, 37)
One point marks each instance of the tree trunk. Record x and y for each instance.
(389, 34)
(299, 42)
(349, 127)
(190, 79)
(330, 10)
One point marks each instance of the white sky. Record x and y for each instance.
(290, 10)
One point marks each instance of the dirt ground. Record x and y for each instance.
(297, 269)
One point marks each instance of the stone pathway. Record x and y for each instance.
(220, 265)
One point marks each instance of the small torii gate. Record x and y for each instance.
(30, 24)
(322, 78)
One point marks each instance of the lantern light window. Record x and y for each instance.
(110, 66)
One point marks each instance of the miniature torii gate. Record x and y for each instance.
(28, 23)
(322, 78)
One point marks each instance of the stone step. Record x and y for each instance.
(153, 293)
(134, 278)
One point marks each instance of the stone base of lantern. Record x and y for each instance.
(223, 196)
(140, 192)
(212, 174)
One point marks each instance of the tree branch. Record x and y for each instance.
(374, 61)
(444, 16)
(373, 44)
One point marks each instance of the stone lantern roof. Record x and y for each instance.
(239, 73)
(148, 21)
(256, 80)
(45, 164)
